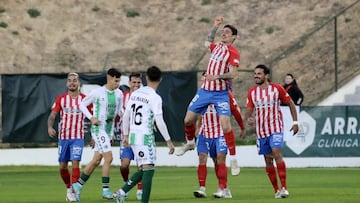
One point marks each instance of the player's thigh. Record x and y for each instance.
(202, 146)
(263, 145)
(126, 153)
(221, 102)
(76, 149)
(221, 148)
(200, 102)
(63, 150)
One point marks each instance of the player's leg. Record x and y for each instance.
(222, 105)
(85, 175)
(202, 150)
(218, 153)
(75, 157)
(265, 149)
(197, 106)
(190, 128)
(276, 144)
(146, 167)
(105, 179)
(148, 173)
(65, 176)
(230, 142)
(126, 155)
(139, 191)
(64, 158)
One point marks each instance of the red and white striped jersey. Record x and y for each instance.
(126, 97)
(222, 56)
(71, 125)
(266, 102)
(210, 123)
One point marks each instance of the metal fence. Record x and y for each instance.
(326, 58)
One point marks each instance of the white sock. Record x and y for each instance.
(190, 141)
(232, 157)
(122, 192)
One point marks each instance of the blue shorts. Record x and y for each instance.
(203, 98)
(126, 153)
(69, 150)
(212, 146)
(265, 145)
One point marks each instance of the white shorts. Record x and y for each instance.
(144, 154)
(102, 142)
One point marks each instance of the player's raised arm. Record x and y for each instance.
(211, 36)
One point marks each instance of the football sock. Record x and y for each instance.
(202, 173)
(105, 182)
(83, 178)
(125, 173)
(134, 179)
(139, 185)
(75, 175)
(65, 176)
(190, 132)
(270, 170)
(222, 175)
(281, 169)
(230, 142)
(232, 157)
(147, 182)
(216, 168)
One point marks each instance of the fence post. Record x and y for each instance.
(335, 54)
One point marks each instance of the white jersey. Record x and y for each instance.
(106, 104)
(143, 106)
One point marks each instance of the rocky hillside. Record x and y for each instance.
(89, 36)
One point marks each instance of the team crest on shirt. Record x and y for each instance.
(141, 154)
(216, 57)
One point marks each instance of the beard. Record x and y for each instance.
(259, 81)
(72, 89)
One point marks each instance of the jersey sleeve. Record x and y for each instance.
(212, 46)
(88, 100)
(249, 102)
(234, 58)
(283, 95)
(157, 105)
(56, 105)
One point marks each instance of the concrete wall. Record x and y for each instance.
(247, 157)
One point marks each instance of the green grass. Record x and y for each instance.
(176, 185)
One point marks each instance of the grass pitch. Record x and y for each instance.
(39, 184)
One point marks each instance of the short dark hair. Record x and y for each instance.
(113, 72)
(265, 68)
(232, 28)
(134, 74)
(153, 73)
(291, 75)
